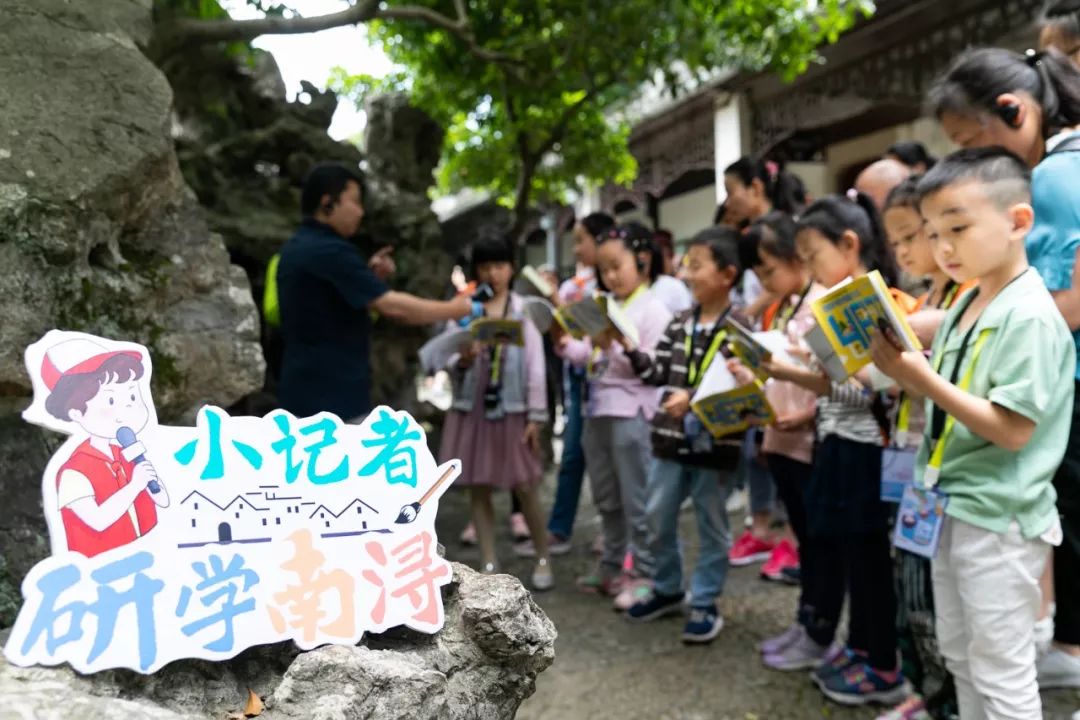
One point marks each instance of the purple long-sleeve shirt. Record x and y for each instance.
(617, 391)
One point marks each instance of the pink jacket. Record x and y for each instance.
(788, 398)
(615, 389)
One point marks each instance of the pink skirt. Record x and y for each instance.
(491, 451)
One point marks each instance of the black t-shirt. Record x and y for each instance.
(324, 289)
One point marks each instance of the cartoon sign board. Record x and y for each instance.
(202, 541)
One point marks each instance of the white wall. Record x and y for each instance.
(730, 129)
(872, 145)
(815, 175)
(686, 214)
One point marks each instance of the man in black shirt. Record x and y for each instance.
(326, 291)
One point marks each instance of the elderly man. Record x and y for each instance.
(880, 177)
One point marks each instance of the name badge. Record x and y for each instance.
(919, 520)
(897, 472)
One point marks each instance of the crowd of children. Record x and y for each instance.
(983, 425)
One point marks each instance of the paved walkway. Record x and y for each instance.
(606, 667)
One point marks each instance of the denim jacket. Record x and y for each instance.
(523, 381)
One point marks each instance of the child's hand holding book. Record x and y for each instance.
(677, 404)
(909, 369)
(743, 374)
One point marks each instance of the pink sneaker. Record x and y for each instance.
(595, 584)
(783, 556)
(468, 535)
(749, 550)
(519, 529)
(634, 590)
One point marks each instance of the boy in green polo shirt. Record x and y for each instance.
(999, 394)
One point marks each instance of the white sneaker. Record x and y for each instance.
(1058, 669)
(543, 578)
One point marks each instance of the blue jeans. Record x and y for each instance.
(758, 477)
(572, 464)
(669, 484)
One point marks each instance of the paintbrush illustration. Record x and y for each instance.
(409, 512)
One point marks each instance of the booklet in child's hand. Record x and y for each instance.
(830, 362)
(539, 311)
(537, 282)
(498, 330)
(592, 317)
(436, 353)
(850, 312)
(724, 407)
(752, 348)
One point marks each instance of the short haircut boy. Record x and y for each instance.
(1004, 176)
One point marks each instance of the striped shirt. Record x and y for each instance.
(847, 413)
(669, 367)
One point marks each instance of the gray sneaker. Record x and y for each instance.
(802, 654)
(1059, 670)
(556, 546)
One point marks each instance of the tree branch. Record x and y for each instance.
(186, 31)
(209, 31)
(559, 129)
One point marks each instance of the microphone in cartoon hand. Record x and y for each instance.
(125, 436)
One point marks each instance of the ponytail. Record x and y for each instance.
(833, 215)
(975, 80)
(785, 191)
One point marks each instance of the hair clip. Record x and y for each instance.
(852, 194)
(772, 168)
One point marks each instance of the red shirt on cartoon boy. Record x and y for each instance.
(89, 470)
(107, 495)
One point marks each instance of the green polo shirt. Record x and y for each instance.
(1027, 365)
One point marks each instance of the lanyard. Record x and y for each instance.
(694, 374)
(937, 454)
(790, 311)
(903, 414)
(952, 289)
(941, 423)
(497, 351)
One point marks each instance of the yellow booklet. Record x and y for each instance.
(593, 316)
(537, 282)
(848, 314)
(725, 407)
(498, 330)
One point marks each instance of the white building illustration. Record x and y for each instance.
(255, 517)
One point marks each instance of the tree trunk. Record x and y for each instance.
(522, 196)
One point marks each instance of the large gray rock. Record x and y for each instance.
(481, 666)
(98, 231)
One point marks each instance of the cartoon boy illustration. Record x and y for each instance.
(107, 491)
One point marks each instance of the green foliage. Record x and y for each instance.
(542, 116)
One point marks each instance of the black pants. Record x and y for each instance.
(791, 478)
(861, 566)
(1067, 555)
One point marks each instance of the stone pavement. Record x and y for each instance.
(607, 668)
